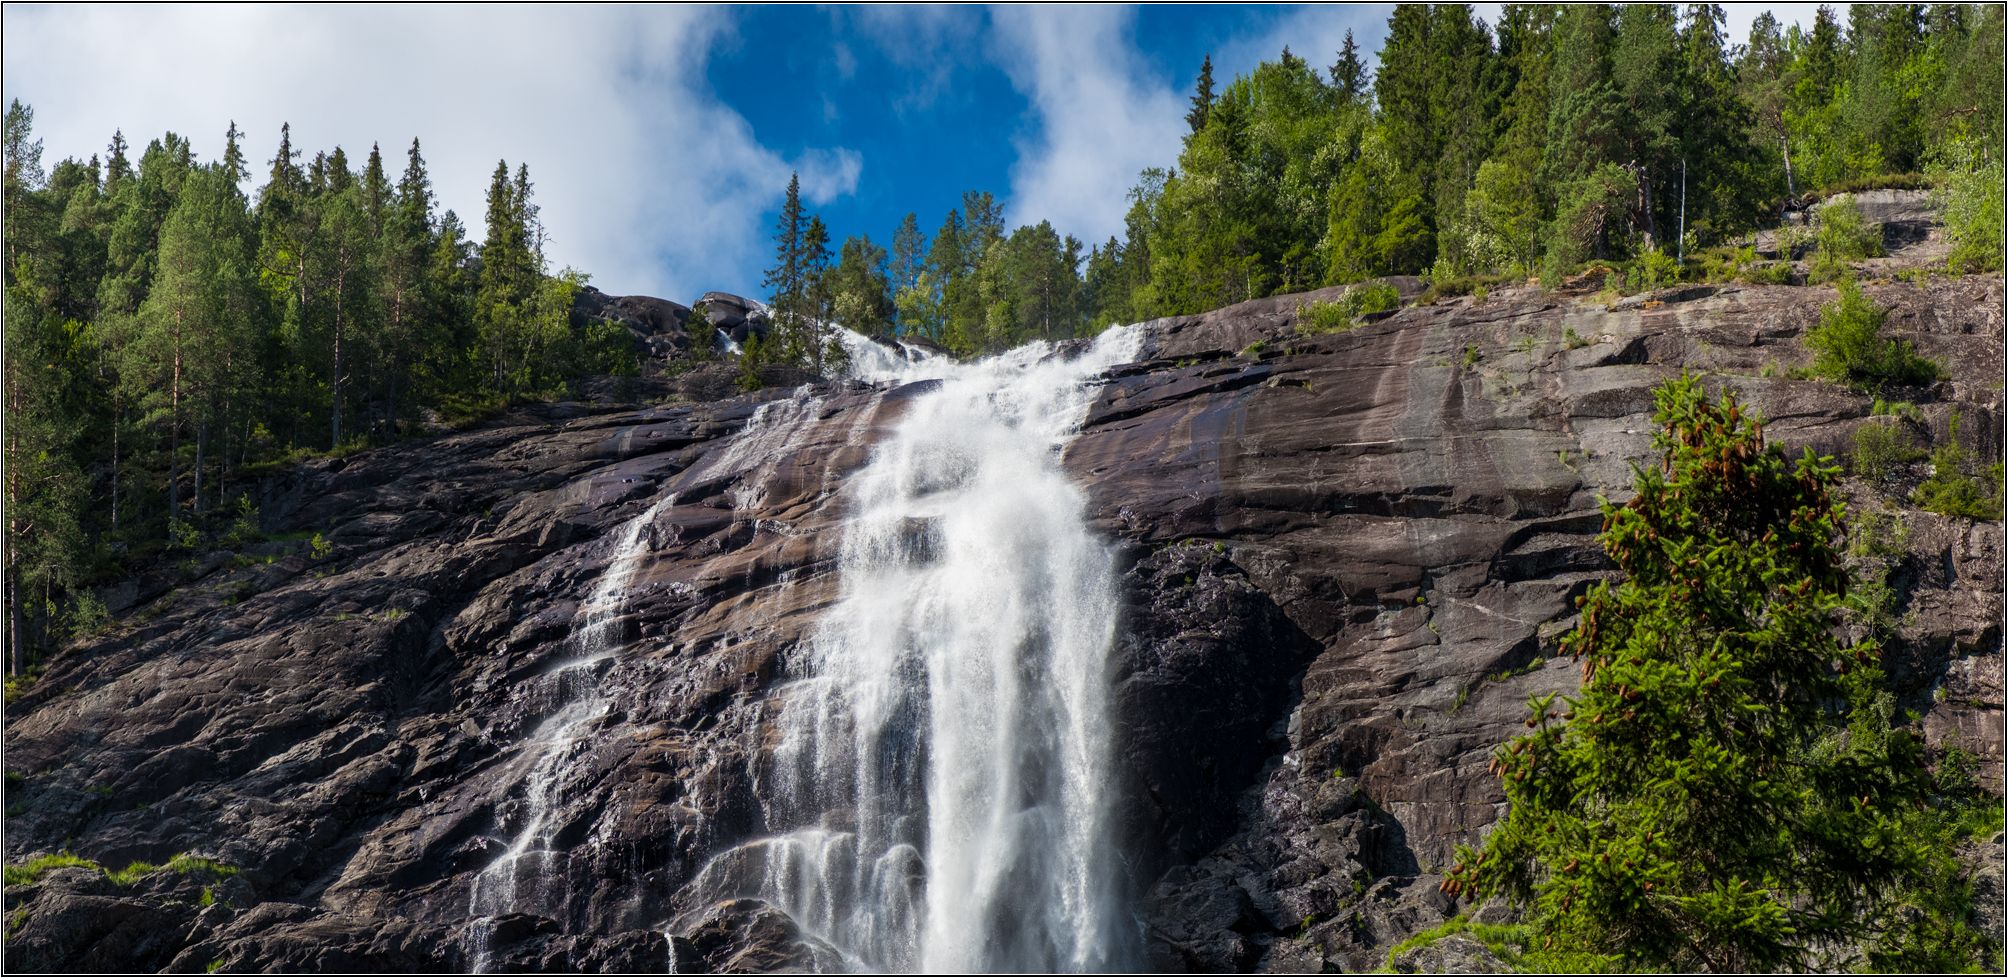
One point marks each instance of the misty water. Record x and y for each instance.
(942, 794)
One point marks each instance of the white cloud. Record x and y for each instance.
(1314, 33)
(930, 42)
(646, 181)
(1102, 115)
(829, 174)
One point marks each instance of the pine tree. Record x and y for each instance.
(786, 277)
(376, 190)
(1202, 96)
(861, 292)
(117, 168)
(1582, 131)
(233, 154)
(506, 285)
(908, 253)
(406, 246)
(195, 326)
(805, 341)
(1349, 73)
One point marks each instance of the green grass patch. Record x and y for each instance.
(23, 874)
(32, 871)
(1479, 286)
(1515, 945)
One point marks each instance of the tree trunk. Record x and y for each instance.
(174, 430)
(201, 444)
(118, 423)
(15, 662)
(1790, 191)
(337, 443)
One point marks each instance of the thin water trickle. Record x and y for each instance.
(522, 879)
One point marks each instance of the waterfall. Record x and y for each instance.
(943, 787)
(521, 880)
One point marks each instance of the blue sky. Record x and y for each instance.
(660, 139)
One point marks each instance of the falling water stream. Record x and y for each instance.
(945, 778)
(521, 879)
(942, 793)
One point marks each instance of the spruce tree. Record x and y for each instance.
(233, 154)
(785, 278)
(908, 253)
(1349, 73)
(1202, 96)
(1730, 790)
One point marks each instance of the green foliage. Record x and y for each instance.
(1515, 946)
(182, 535)
(1349, 311)
(1654, 269)
(702, 335)
(319, 548)
(1880, 449)
(1958, 485)
(1843, 235)
(1850, 348)
(1325, 317)
(1721, 715)
(1970, 196)
(32, 871)
(87, 615)
(168, 339)
(751, 358)
(1592, 220)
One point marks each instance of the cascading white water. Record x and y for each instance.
(945, 781)
(520, 880)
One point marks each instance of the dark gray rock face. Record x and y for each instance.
(1348, 559)
(741, 318)
(656, 324)
(1418, 497)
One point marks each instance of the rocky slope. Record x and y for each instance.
(1348, 559)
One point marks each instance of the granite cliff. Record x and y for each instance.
(1345, 560)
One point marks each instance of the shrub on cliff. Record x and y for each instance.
(1731, 790)
(1349, 310)
(1959, 485)
(1844, 233)
(1970, 193)
(1851, 349)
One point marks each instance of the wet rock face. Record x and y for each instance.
(1419, 498)
(1347, 560)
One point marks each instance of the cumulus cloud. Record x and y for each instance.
(1102, 115)
(829, 173)
(646, 181)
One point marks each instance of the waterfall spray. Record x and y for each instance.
(522, 879)
(944, 782)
